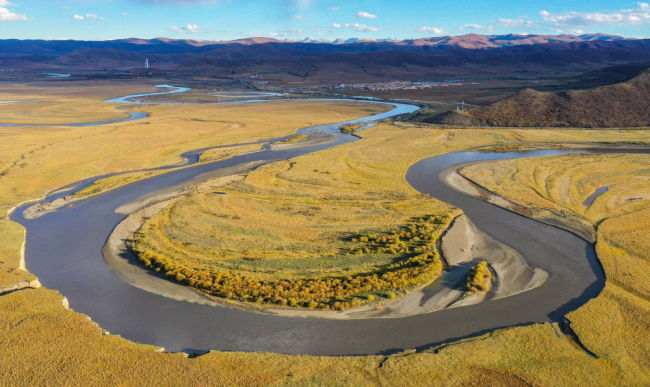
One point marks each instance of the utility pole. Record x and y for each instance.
(146, 63)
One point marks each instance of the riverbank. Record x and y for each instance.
(484, 356)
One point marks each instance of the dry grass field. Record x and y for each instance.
(36, 159)
(44, 343)
(615, 325)
(566, 187)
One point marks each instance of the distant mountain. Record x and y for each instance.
(349, 60)
(469, 41)
(624, 104)
(200, 43)
(15, 47)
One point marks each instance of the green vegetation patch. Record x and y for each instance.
(292, 139)
(349, 128)
(479, 278)
(418, 263)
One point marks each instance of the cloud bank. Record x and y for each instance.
(188, 29)
(7, 15)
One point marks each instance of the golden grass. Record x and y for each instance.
(66, 111)
(51, 345)
(77, 102)
(561, 184)
(479, 278)
(349, 128)
(293, 139)
(390, 262)
(228, 152)
(35, 159)
(12, 236)
(615, 325)
(565, 182)
(111, 182)
(42, 343)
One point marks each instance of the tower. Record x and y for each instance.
(146, 63)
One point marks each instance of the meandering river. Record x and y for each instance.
(64, 249)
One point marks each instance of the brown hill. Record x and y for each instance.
(450, 118)
(478, 41)
(358, 61)
(468, 41)
(620, 105)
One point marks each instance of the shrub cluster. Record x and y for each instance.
(416, 237)
(479, 278)
(292, 139)
(411, 269)
(349, 128)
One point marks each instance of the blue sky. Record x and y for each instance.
(319, 19)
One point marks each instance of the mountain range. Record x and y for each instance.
(463, 41)
(336, 61)
(622, 104)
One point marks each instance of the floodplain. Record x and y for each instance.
(364, 179)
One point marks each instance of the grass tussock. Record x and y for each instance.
(349, 128)
(479, 278)
(293, 139)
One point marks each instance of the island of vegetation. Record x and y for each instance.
(349, 128)
(416, 262)
(479, 278)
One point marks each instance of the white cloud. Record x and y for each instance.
(188, 29)
(87, 16)
(361, 27)
(298, 17)
(366, 15)
(336, 25)
(574, 19)
(434, 30)
(286, 33)
(7, 15)
(333, 8)
(518, 23)
(476, 27)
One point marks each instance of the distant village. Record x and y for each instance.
(400, 85)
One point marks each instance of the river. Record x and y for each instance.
(64, 249)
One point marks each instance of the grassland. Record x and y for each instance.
(561, 185)
(44, 343)
(371, 265)
(36, 159)
(615, 325)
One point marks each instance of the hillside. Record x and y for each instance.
(350, 60)
(618, 105)
(449, 118)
